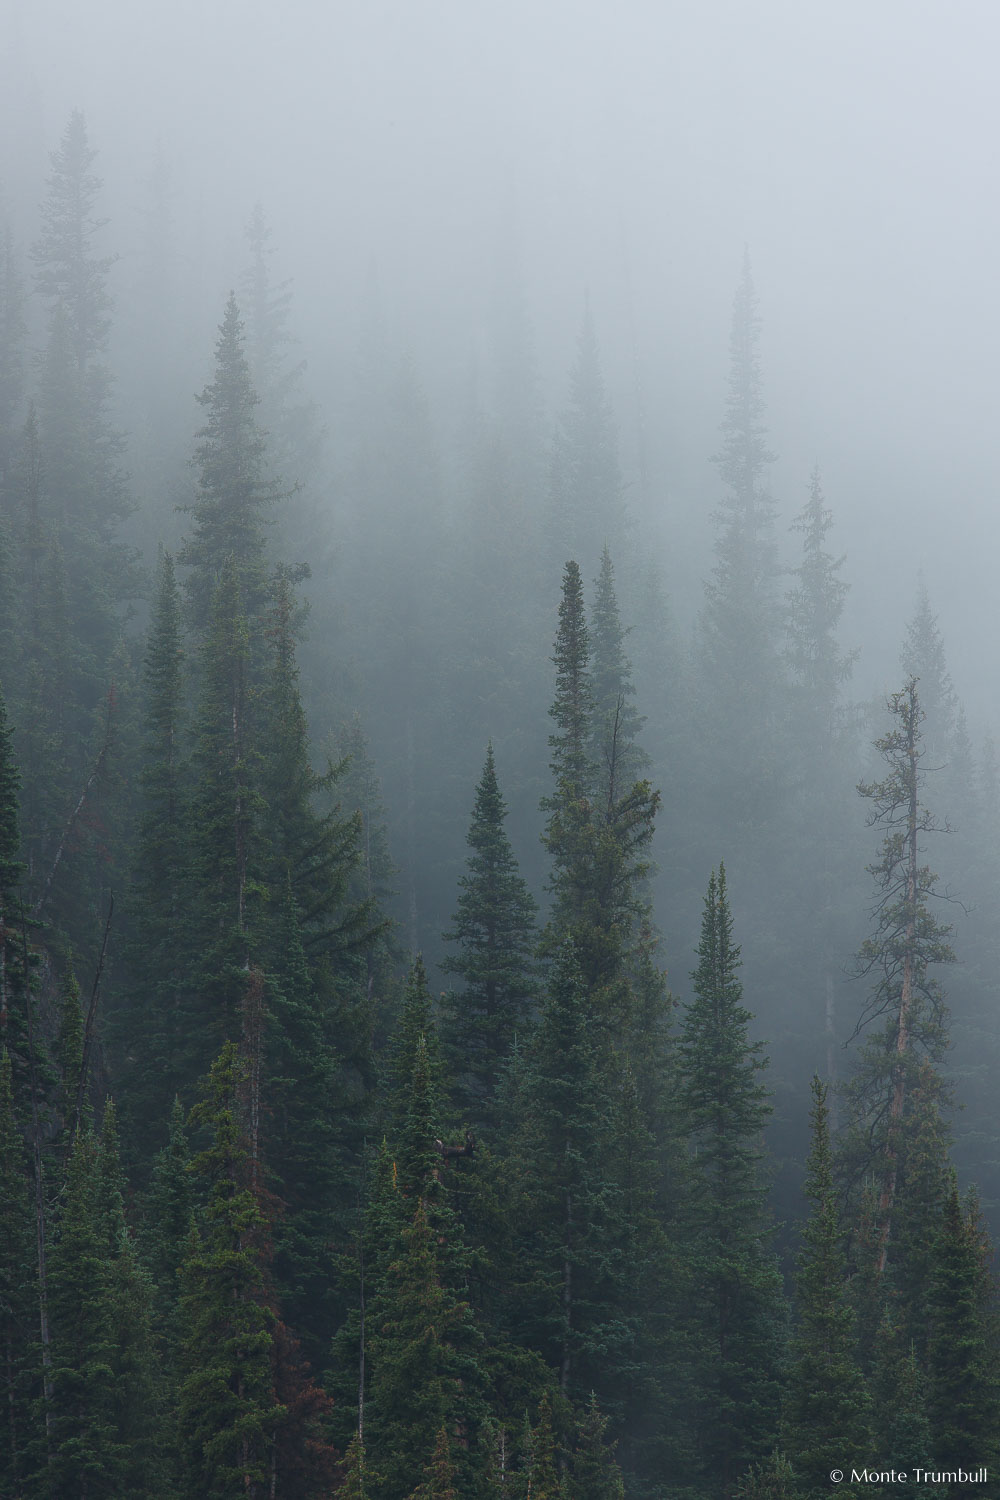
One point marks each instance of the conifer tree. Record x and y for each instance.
(596, 1476)
(84, 1445)
(424, 1353)
(16, 1301)
(85, 487)
(568, 1204)
(826, 1413)
(771, 1479)
(736, 1305)
(439, 1476)
(415, 1024)
(226, 807)
(569, 829)
(168, 1208)
(586, 507)
(923, 659)
(13, 363)
(286, 415)
(235, 489)
(906, 1002)
(543, 1472)
(963, 1398)
(739, 771)
(495, 928)
(148, 1025)
(12, 873)
(815, 606)
(227, 1411)
(617, 723)
(898, 1387)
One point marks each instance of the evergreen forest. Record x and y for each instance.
(469, 1029)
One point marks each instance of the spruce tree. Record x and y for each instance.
(149, 1023)
(963, 1403)
(495, 928)
(17, 1306)
(227, 1410)
(596, 1476)
(543, 1472)
(826, 1412)
(739, 670)
(586, 508)
(617, 723)
(84, 1445)
(235, 489)
(424, 1354)
(736, 1311)
(905, 1007)
(567, 1204)
(12, 873)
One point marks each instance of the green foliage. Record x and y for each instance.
(18, 1308)
(227, 1411)
(826, 1411)
(235, 490)
(595, 1475)
(543, 1472)
(567, 1201)
(771, 1479)
(963, 1403)
(424, 1352)
(495, 928)
(736, 1313)
(83, 1436)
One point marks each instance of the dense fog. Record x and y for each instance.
(593, 366)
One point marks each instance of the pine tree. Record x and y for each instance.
(289, 418)
(168, 1208)
(815, 606)
(737, 1310)
(226, 807)
(905, 1002)
(13, 363)
(586, 508)
(495, 927)
(567, 1203)
(424, 1353)
(439, 1476)
(923, 658)
(11, 874)
(84, 1449)
(617, 722)
(85, 486)
(963, 1399)
(135, 1371)
(596, 1476)
(771, 1479)
(235, 489)
(543, 1474)
(740, 702)
(17, 1308)
(569, 830)
(227, 1411)
(149, 1025)
(899, 1397)
(826, 1413)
